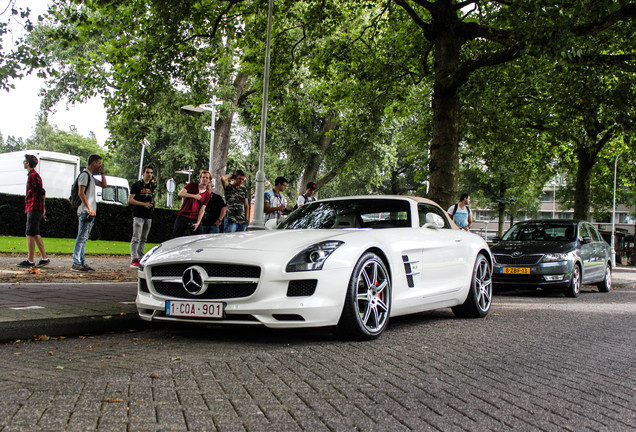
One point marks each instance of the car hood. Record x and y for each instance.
(268, 240)
(532, 247)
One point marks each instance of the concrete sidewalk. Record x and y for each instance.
(33, 305)
(31, 309)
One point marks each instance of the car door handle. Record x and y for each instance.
(458, 239)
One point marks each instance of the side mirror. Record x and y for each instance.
(587, 239)
(496, 239)
(433, 221)
(270, 224)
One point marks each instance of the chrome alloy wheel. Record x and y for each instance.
(483, 284)
(575, 284)
(372, 295)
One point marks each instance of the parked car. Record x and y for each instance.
(552, 253)
(348, 262)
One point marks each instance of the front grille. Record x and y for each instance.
(230, 280)
(212, 269)
(214, 291)
(523, 259)
(300, 288)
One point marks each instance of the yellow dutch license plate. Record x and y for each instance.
(515, 270)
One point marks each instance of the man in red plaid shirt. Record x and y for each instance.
(34, 209)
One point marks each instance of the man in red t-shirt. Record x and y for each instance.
(34, 209)
(195, 198)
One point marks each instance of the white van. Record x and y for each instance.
(116, 191)
(58, 172)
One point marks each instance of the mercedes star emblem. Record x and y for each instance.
(192, 280)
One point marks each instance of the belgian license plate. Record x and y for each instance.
(195, 309)
(515, 270)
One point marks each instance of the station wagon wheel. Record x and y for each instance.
(479, 299)
(606, 284)
(574, 288)
(367, 307)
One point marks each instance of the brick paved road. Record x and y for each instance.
(537, 362)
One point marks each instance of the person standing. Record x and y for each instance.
(460, 212)
(87, 210)
(195, 199)
(308, 196)
(214, 213)
(35, 211)
(236, 199)
(275, 202)
(141, 199)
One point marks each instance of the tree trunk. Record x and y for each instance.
(582, 186)
(501, 208)
(222, 129)
(311, 169)
(444, 149)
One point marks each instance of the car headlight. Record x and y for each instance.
(554, 257)
(313, 257)
(144, 259)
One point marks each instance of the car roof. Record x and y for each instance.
(367, 197)
(563, 221)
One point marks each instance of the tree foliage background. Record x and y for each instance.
(396, 96)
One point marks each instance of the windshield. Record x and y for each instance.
(341, 214)
(542, 231)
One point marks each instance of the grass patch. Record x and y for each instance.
(64, 246)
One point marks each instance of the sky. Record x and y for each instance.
(19, 107)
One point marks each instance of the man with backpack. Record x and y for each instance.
(87, 209)
(460, 212)
(308, 196)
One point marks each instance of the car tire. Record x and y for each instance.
(606, 284)
(574, 289)
(367, 306)
(479, 299)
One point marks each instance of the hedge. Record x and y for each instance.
(113, 222)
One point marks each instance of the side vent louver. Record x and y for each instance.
(409, 272)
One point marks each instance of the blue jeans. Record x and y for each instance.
(83, 231)
(233, 226)
(210, 229)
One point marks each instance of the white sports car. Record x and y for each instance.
(348, 262)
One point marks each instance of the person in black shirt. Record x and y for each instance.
(214, 213)
(141, 200)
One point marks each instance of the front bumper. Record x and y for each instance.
(540, 275)
(274, 303)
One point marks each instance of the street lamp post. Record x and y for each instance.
(614, 215)
(212, 108)
(554, 186)
(144, 143)
(258, 221)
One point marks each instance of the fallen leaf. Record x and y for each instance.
(112, 400)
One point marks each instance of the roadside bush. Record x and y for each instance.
(113, 222)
